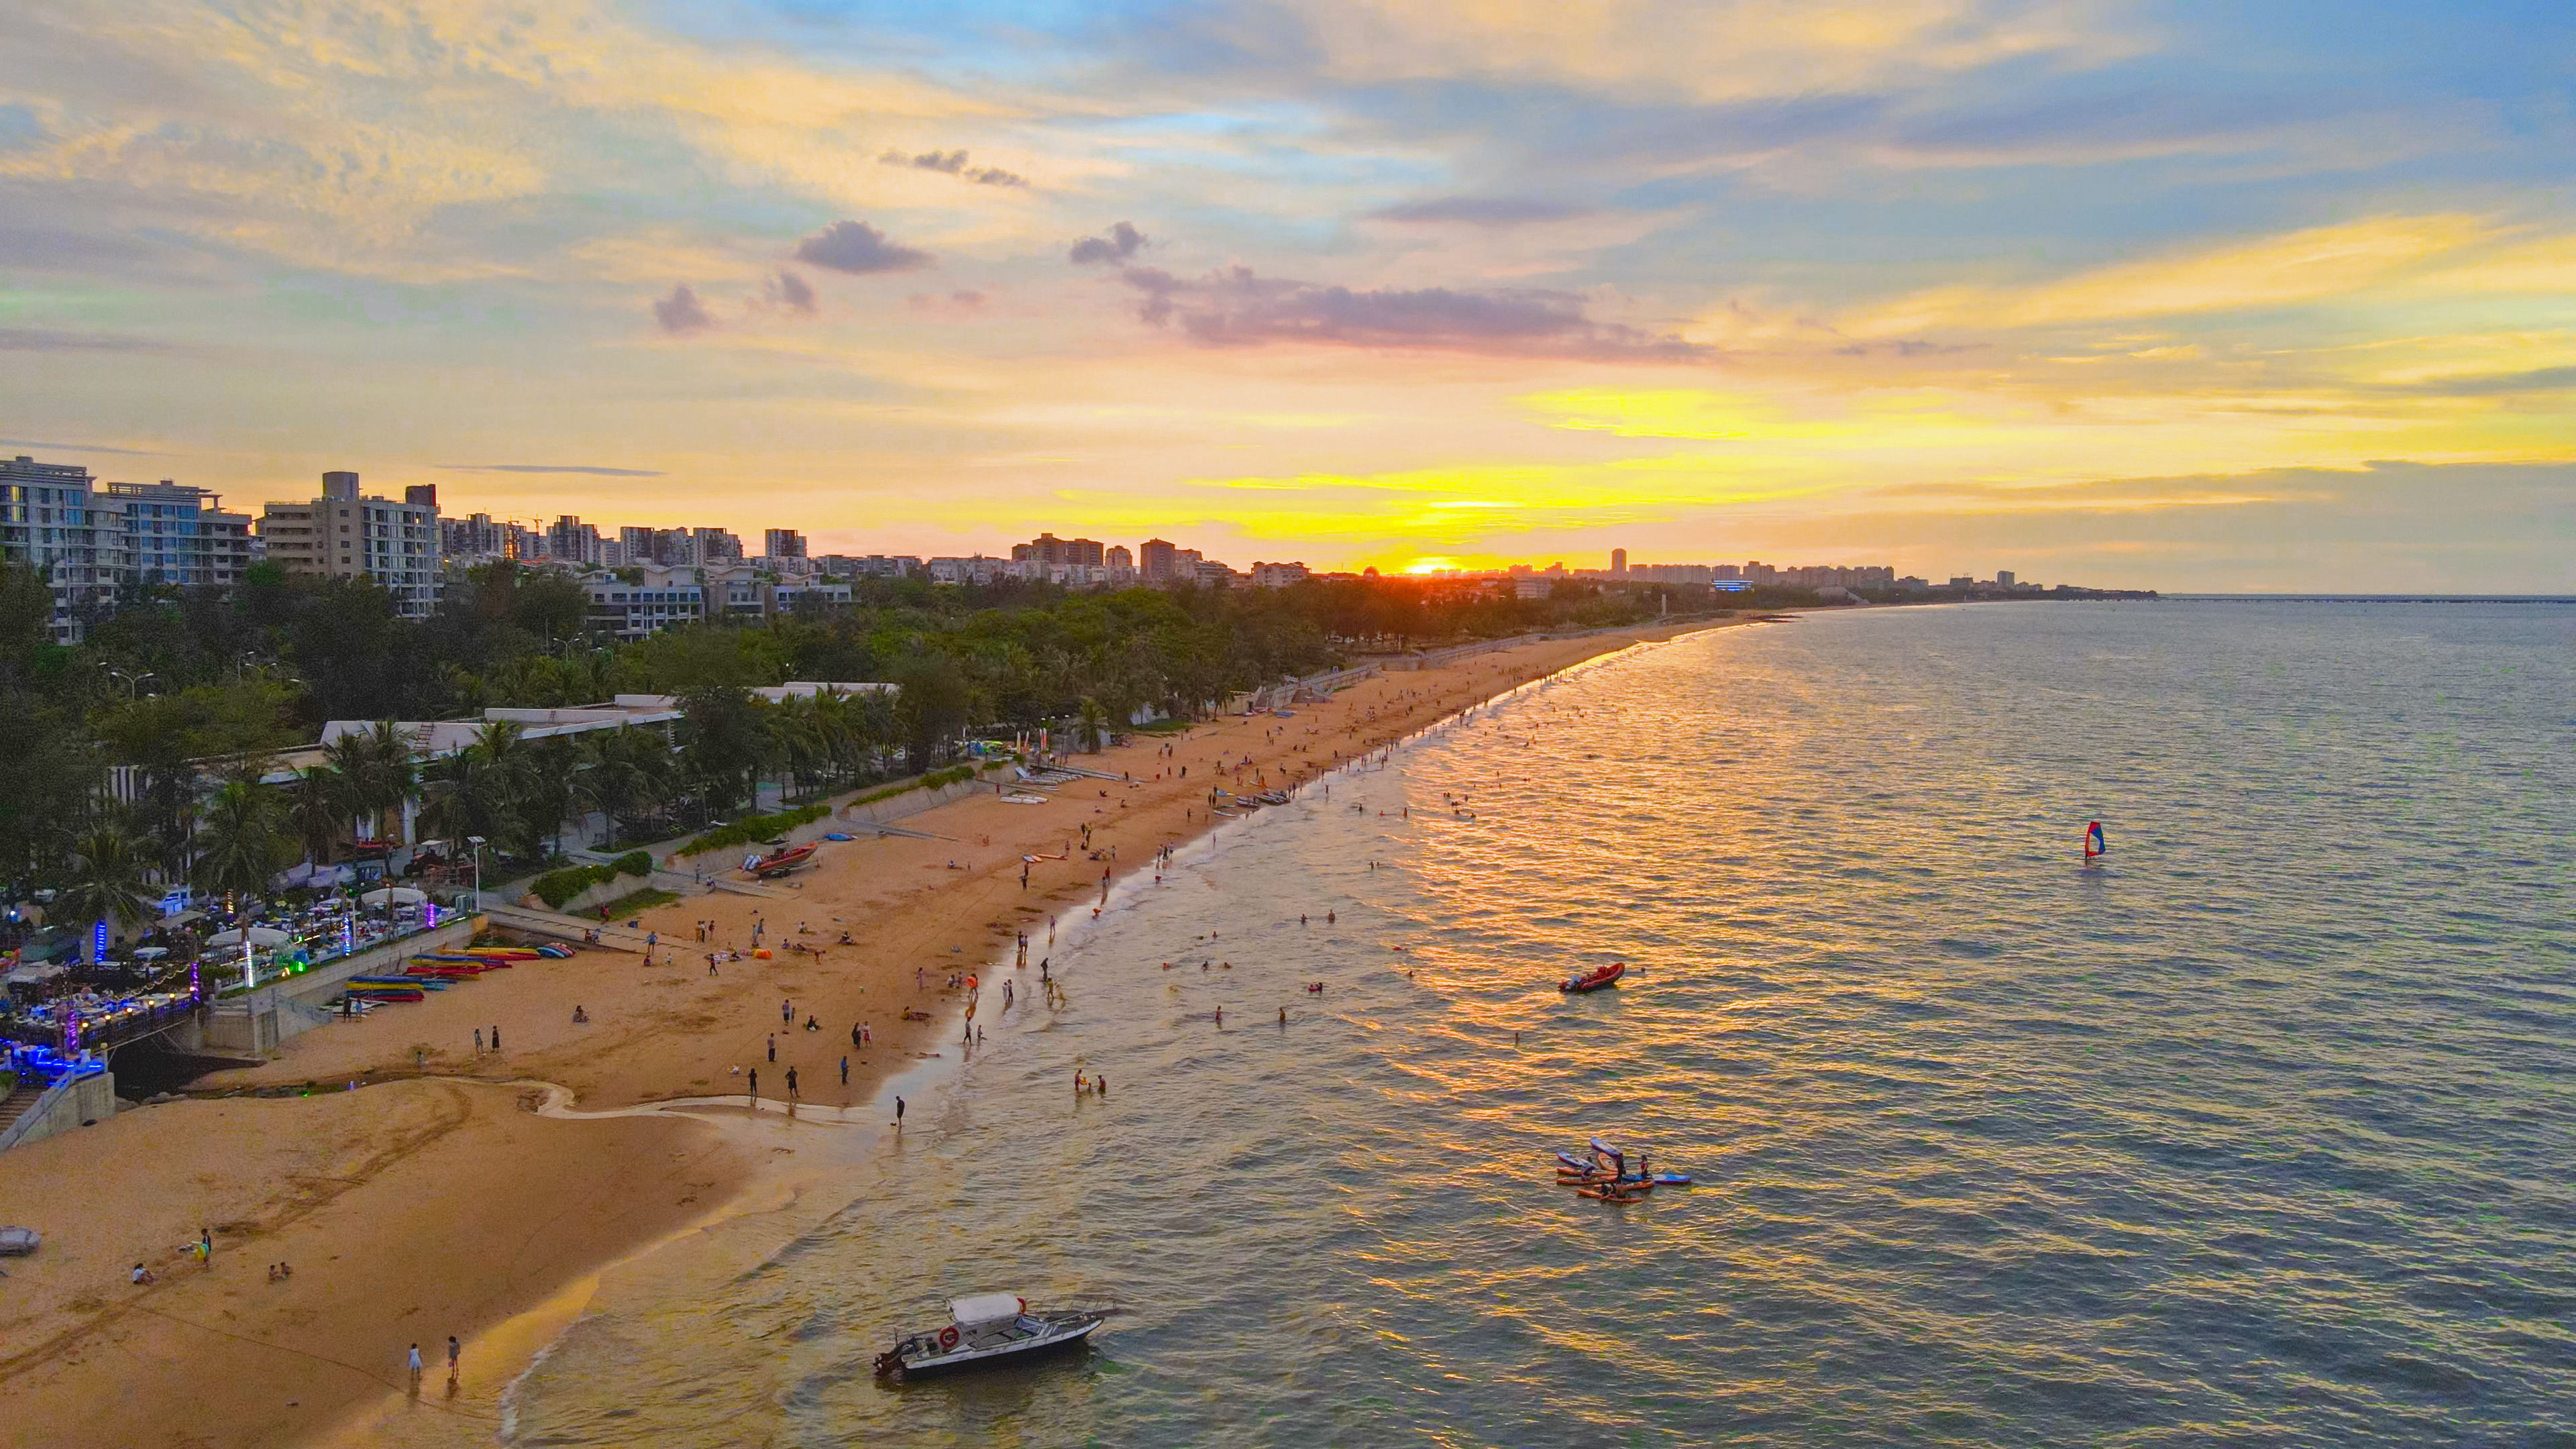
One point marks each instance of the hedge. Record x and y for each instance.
(558, 886)
(755, 828)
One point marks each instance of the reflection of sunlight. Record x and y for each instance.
(1429, 565)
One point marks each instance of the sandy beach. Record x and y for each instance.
(412, 1209)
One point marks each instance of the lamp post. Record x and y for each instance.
(476, 841)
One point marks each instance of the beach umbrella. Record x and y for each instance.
(394, 896)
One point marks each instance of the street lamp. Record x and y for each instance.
(477, 842)
(133, 682)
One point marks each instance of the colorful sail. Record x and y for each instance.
(2094, 844)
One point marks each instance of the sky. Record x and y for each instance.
(2190, 297)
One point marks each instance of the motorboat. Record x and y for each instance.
(984, 1330)
(1595, 979)
(780, 862)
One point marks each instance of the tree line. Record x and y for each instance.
(142, 751)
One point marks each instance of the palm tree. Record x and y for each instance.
(1092, 725)
(479, 790)
(394, 781)
(313, 811)
(106, 886)
(242, 838)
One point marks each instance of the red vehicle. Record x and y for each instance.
(1594, 979)
(778, 863)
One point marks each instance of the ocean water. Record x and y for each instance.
(2259, 1132)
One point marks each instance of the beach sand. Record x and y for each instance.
(917, 912)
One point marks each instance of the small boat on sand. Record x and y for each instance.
(1594, 979)
(987, 1329)
(780, 862)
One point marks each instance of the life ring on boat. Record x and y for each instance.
(948, 1337)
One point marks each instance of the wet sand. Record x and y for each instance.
(917, 911)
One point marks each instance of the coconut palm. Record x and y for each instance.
(106, 886)
(1091, 725)
(242, 837)
(478, 790)
(313, 811)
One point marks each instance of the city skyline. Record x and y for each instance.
(2136, 293)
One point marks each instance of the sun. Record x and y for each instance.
(1429, 565)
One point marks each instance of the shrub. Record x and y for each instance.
(634, 862)
(754, 828)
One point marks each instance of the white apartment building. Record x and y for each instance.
(343, 535)
(54, 520)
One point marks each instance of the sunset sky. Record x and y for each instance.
(2271, 296)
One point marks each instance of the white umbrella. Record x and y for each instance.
(259, 936)
(393, 895)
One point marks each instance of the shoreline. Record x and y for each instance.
(666, 1041)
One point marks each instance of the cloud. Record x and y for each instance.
(43, 339)
(2491, 384)
(2298, 266)
(958, 303)
(682, 311)
(793, 292)
(1235, 308)
(79, 448)
(953, 163)
(858, 248)
(1481, 210)
(1123, 241)
(586, 470)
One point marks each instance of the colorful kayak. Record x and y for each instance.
(1594, 979)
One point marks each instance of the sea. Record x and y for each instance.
(2257, 1130)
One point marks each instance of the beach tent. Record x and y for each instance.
(393, 896)
(261, 936)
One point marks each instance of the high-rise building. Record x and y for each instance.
(49, 522)
(1118, 558)
(1046, 548)
(173, 534)
(571, 541)
(715, 546)
(2003, 578)
(1618, 563)
(779, 543)
(1278, 575)
(1159, 562)
(344, 535)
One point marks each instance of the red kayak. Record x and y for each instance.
(1594, 979)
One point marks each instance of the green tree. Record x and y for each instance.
(243, 837)
(724, 740)
(105, 885)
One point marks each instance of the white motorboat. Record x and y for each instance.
(987, 1329)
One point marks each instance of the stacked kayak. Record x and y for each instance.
(1604, 1175)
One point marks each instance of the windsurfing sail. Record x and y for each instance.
(2094, 844)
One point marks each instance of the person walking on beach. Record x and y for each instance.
(755, 1084)
(773, 1046)
(415, 1368)
(206, 1246)
(845, 1071)
(898, 1114)
(478, 1041)
(496, 1036)
(453, 1352)
(791, 1084)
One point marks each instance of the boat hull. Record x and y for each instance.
(903, 1367)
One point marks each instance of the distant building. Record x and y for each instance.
(1046, 548)
(1209, 572)
(1159, 562)
(664, 597)
(1963, 581)
(871, 566)
(715, 546)
(178, 535)
(778, 543)
(672, 548)
(974, 569)
(343, 535)
(1618, 562)
(1278, 575)
(1532, 586)
(571, 541)
(1120, 560)
(2003, 578)
(50, 522)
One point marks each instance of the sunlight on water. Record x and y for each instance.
(2260, 1130)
